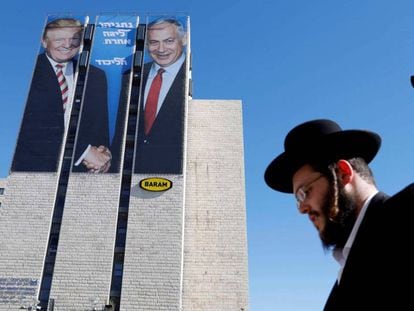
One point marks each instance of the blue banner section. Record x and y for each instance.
(112, 52)
(103, 115)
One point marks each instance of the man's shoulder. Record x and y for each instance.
(402, 202)
(42, 61)
(96, 72)
(405, 194)
(42, 57)
(147, 67)
(96, 69)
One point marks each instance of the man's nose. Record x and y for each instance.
(161, 47)
(67, 42)
(303, 207)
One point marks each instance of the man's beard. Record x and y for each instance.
(337, 230)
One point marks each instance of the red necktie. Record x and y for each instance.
(152, 101)
(62, 84)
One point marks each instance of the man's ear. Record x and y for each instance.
(184, 40)
(345, 171)
(44, 43)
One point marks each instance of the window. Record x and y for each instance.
(1, 191)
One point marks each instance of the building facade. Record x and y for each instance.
(161, 225)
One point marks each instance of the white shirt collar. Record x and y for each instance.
(67, 70)
(341, 254)
(54, 63)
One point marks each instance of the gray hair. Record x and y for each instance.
(180, 27)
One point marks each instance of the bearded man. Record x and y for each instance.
(369, 232)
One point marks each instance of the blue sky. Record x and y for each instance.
(288, 61)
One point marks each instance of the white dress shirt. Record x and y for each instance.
(68, 72)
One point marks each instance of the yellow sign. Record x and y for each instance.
(155, 184)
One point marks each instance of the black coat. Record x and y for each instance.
(93, 122)
(377, 273)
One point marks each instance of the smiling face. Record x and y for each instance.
(165, 44)
(62, 44)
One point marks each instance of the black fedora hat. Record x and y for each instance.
(318, 142)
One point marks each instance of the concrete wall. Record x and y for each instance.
(215, 245)
(25, 218)
(153, 252)
(83, 267)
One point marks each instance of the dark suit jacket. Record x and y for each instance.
(161, 151)
(93, 122)
(380, 258)
(41, 134)
(131, 94)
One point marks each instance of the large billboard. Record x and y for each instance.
(48, 104)
(106, 89)
(160, 135)
(99, 141)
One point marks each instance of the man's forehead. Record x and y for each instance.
(71, 30)
(163, 26)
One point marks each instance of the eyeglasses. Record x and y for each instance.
(303, 191)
